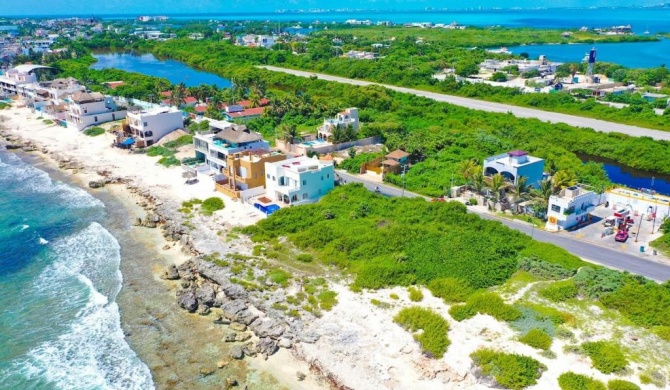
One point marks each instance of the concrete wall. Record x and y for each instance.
(96, 119)
(327, 148)
(638, 202)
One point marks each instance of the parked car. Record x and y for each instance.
(621, 236)
(609, 221)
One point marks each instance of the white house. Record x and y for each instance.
(12, 79)
(299, 180)
(639, 201)
(348, 117)
(226, 138)
(149, 126)
(570, 207)
(87, 109)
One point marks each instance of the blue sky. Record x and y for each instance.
(138, 7)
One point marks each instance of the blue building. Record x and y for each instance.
(516, 163)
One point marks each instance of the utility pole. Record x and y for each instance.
(653, 224)
(404, 169)
(638, 227)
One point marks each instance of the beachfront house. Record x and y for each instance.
(12, 79)
(299, 180)
(225, 138)
(516, 163)
(244, 175)
(346, 118)
(88, 109)
(149, 126)
(569, 208)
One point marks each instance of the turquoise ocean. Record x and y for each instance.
(59, 277)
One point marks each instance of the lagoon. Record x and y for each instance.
(631, 55)
(630, 177)
(147, 64)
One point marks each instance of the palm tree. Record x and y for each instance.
(542, 194)
(496, 184)
(518, 190)
(288, 132)
(478, 182)
(468, 169)
(563, 179)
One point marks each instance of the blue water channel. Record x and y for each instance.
(175, 71)
(632, 178)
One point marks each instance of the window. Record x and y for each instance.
(95, 118)
(321, 177)
(328, 175)
(304, 182)
(304, 196)
(555, 208)
(149, 134)
(268, 175)
(145, 124)
(273, 178)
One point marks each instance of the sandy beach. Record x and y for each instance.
(358, 344)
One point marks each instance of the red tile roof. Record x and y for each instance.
(246, 113)
(190, 99)
(114, 84)
(247, 103)
(166, 93)
(201, 108)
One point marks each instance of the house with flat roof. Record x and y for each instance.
(149, 126)
(299, 180)
(225, 138)
(244, 176)
(516, 163)
(88, 109)
(346, 118)
(12, 79)
(569, 208)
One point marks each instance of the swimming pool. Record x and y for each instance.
(315, 142)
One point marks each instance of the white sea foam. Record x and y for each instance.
(92, 353)
(24, 227)
(43, 241)
(14, 170)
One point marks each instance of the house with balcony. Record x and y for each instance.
(225, 138)
(149, 126)
(89, 109)
(346, 118)
(299, 180)
(13, 79)
(569, 208)
(244, 175)
(516, 163)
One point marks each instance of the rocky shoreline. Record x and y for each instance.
(253, 327)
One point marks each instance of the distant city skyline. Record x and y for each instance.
(156, 7)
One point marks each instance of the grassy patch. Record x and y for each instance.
(537, 338)
(620, 384)
(327, 299)
(662, 331)
(544, 270)
(559, 291)
(279, 277)
(433, 336)
(50, 122)
(606, 356)
(94, 131)
(415, 294)
(210, 205)
(485, 303)
(572, 381)
(380, 304)
(451, 290)
(510, 370)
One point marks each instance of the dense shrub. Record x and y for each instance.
(620, 384)
(279, 276)
(662, 332)
(537, 338)
(510, 370)
(552, 254)
(642, 301)
(305, 258)
(94, 131)
(559, 291)
(327, 299)
(606, 357)
(210, 205)
(595, 283)
(543, 269)
(485, 303)
(572, 381)
(540, 318)
(415, 294)
(450, 289)
(433, 338)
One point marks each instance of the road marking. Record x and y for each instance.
(623, 247)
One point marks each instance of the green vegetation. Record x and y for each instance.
(48, 122)
(510, 370)
(572, 381)
(537, 338)
(662, 332)
(544, 270)
(485, 303)
(380, 304)
(305, 258)
(433, 336)
(210, 205)
(559, 291)
(168, 150)
(94, 131)
(450, 289)
(606, 356)
(327, 299)
(538, 317)
(353, 165)
(415, 294)
(279, 276)
(394, 296)
(620, 384)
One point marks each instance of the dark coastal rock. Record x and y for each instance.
(238, 326)
(249, 350)
(96, 184)
(235, 291)
(203, 310)
(230, 337)
(206, 294)
(241, 337)
(137, 222)
(221, 321)
(12, 147)
(269, 327)
(231, 308)
(171, 272)
(266, 346)
(184, 240)
(187, 271)
(187, 300)
(220, 299)
(245, 317)
(236, 352)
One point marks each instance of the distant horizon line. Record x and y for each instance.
(317, 11)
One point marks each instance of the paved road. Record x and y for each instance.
(590, 252)
(521, 112)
